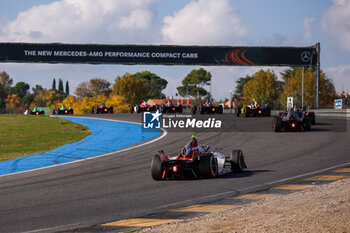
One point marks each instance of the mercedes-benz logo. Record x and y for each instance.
(305, 56)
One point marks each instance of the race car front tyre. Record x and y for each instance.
(237, 161)
(208, 166)
(156, 168)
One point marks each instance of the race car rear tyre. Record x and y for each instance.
(194, 109)
(277, 124)
(208, 166)
(220, 109)
(237, 161)
(156, 168)
(307, 124)
(312, 117)
(268, 111)
(180, 110)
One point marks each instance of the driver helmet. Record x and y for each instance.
(193, 143)
(296, 109)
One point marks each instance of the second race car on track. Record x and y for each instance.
(254, 110)
(208, 108)
(36, 111)
(170, 107)
(143, 107)
(196, 161)
(293, 120)
(63, 111)
(102, 108)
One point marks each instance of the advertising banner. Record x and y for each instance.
(157, 54)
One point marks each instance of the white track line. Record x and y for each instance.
(97, 156)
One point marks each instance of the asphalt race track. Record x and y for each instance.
(120, 186)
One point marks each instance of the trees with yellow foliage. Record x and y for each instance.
(13, 101)
(84, 105)
(118, 102)
(47, 98)
(293, 87)
(263, 87)
(131, 89)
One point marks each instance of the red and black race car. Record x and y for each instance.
(291, 121)
(143, 107)
(208, 108)
(102, 108)
(196, 161)
(170, 107)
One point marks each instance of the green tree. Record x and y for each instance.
(262, 88)
(27, 100)
(154, 84)
(83, 90)
(53, 84)
(100, 86)
(46, 98)
(240, 83)
(2, 103)
(60, 86)
(194, 82)
(20, 89)
(37, 89)
(134, 91)
(191, 91)
(293, 87)
(67, 87)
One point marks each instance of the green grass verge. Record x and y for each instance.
(22, 135)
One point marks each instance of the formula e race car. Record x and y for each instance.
(291, 121)
(170, 107)
(208, 108)
(248, 111)
(143, 107)
(254, 110)
(63, 111)
(102, 108)
(36, 111)
(196, 162)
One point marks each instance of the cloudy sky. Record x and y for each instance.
(181, 22)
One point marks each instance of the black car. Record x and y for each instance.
(63, 111)
(102, 109)
(143, 107)
(291, 122)
(170, 107)
(208, 108)
(36, 111)
(257, 112)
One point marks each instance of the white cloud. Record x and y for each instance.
(103, 21)
(205, 22)
(336, 21)
(340, 76)
(308, 25)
